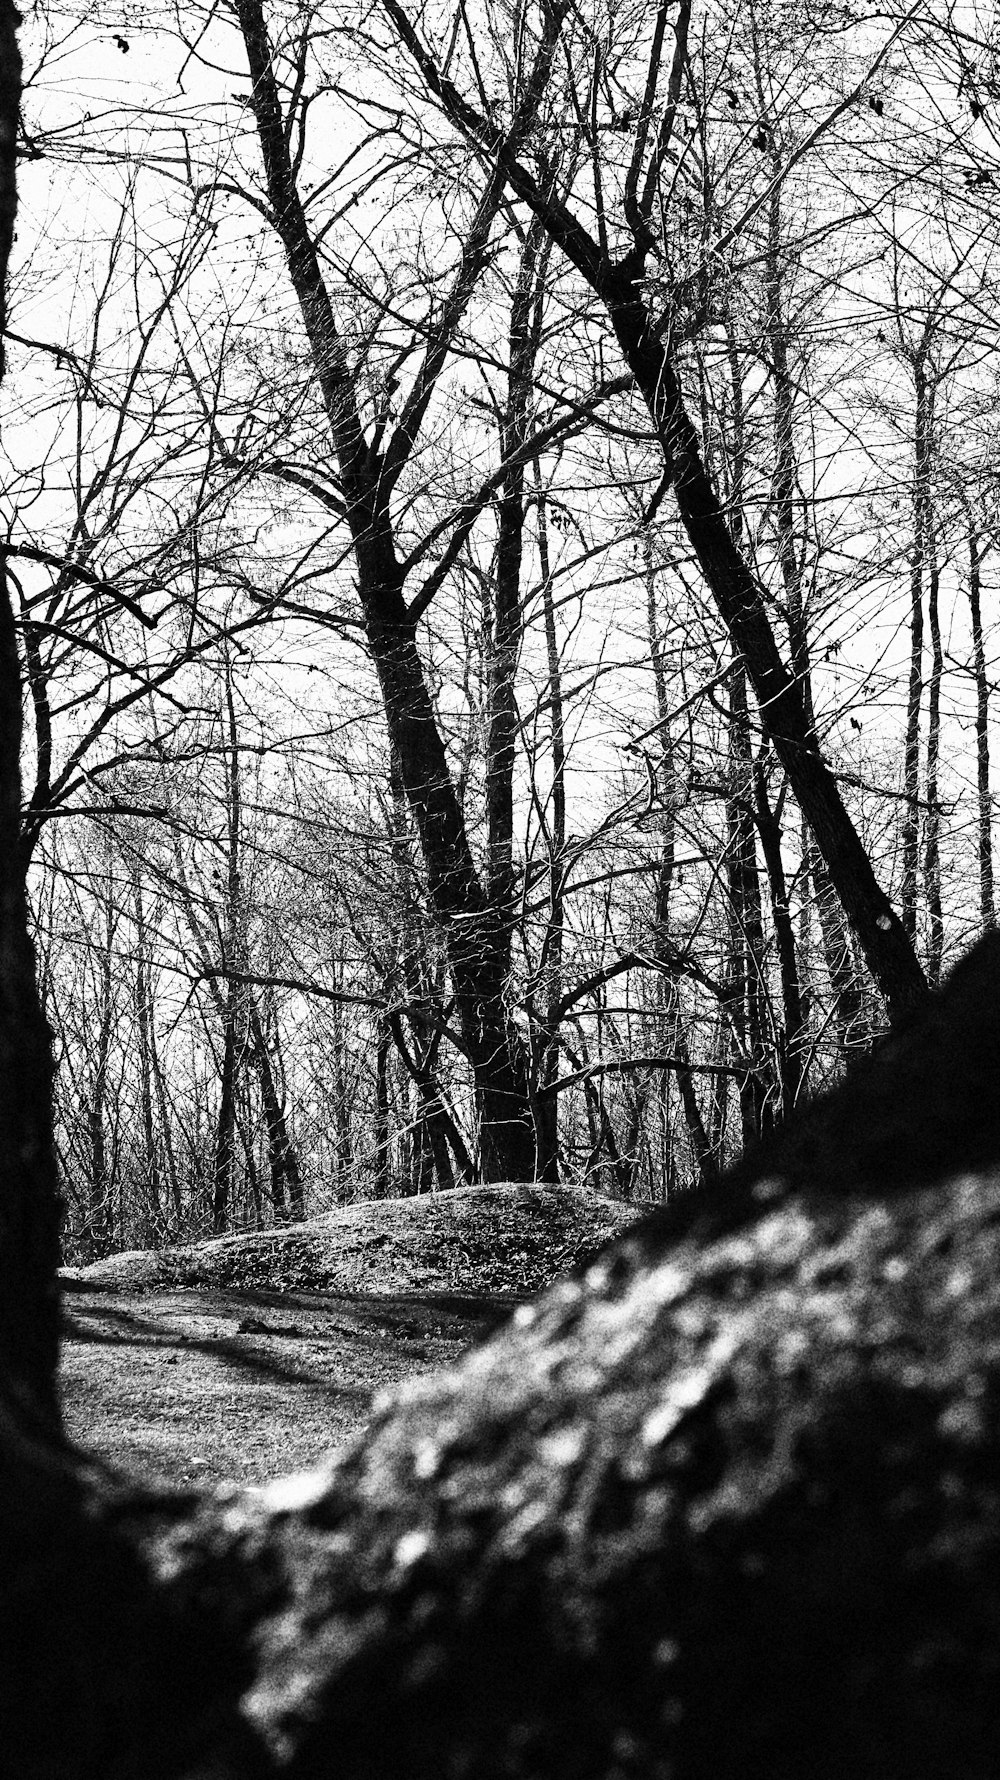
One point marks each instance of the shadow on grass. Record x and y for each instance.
(137, 1331)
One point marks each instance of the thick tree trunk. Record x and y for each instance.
(29, 1195)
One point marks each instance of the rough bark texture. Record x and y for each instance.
(727, 1503)
(29, 1202)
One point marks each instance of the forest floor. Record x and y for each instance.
(238, 1359)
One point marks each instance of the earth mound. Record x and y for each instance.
(506, 1237)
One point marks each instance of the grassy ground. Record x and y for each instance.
(243, 1358)
(201, 1385)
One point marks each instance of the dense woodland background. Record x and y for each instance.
(407, 798)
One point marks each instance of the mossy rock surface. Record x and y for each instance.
(506, 1237)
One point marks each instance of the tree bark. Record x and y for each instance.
(29, 1193)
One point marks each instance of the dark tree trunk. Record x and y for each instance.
(477, 930)
(745, 974)
(436, 1130)
(910, 832)
(224, 1157)
(29, 1194)
(283, 1161)
(545, 1107)
(932, 824)
(233, 946)
(886, 945)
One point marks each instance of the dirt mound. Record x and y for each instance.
(500, 1238)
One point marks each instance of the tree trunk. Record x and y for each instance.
(29, 1193)
(224, 1157)
(848, 1001)
(147, 1046)
(792, 1037)
(382, 1158)
(283, 1161)
(932, 824)
(545, 1108)
(745, 973)
(987, 901)
(100, 1221)
(885, 943)
(234, 959)
(476, 930)
(672, 1034)
(910, 832)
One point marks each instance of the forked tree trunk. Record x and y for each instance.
(476, 928)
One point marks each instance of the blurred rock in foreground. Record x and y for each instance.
(727, 1504)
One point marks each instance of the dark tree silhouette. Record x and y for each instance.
(29, 1243)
